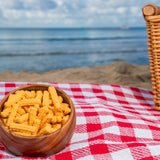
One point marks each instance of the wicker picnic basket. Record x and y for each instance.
(151, 14)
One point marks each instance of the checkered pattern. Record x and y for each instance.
(113, 122)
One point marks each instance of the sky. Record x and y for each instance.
(72, 13)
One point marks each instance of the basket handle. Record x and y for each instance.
(150, 10)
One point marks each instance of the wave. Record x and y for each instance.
(73, 38)
(73, 52)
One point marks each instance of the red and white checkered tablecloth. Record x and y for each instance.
(113, 122)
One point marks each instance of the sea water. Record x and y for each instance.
(46, 49)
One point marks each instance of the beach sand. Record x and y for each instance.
(117, 73)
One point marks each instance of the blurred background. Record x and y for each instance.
(38, 35)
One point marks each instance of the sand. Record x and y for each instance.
(117, 73)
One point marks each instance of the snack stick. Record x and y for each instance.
(51, 108)
(28, 102)
(20, 92)
(22, 133)
(46, 130)
(12, 114)
(45, 125)
(39, 95)
(26, 133)
(26, 123)
(59, 114)
(54, 97)
(22, 127)
(27, 94)
(59, 119)
(21, 111)
(7, 104)
(66, 111)
(42, 112)
(30, 94)
(22, 118)
(45, 98)
(50, 112)
(36, 124)
(56, 127)
(43, 131)
(64, 105)
(17, 114)
(56, 119)
(6, 112)
(11, 96)
(54, 110)
(14, 98)
(26, 108)
(36, 106)
(46, 119)
(65, 119)
(60, 99)
(50, 102)
(65, 108)
(32, 115)
(33, 93)
(4, 120)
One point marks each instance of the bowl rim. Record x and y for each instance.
(44, 136)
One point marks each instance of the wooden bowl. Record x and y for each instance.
(42, 145)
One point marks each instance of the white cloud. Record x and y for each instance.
(121, 10)
(71, 12)
(11, 4)
(35, 14)
(90, 21)
(135, 11)
(11, 14)
(115, 20)
(40, 4)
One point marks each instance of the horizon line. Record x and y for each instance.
(119, 27)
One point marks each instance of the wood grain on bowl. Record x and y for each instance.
(38, 145)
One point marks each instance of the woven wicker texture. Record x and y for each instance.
(150, 13)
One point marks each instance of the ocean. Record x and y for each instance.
(43, 50)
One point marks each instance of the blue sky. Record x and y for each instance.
(72, 13)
